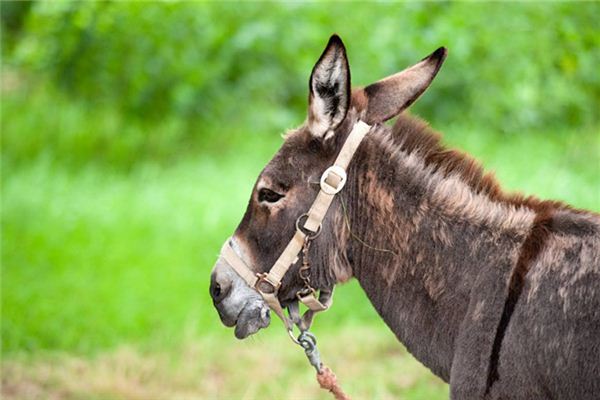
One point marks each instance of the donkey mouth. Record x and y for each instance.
(251, 320)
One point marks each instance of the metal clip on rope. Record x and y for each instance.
(308, 341)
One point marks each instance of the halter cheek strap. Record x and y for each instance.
(267, 284)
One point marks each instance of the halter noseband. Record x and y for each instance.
(267, 284)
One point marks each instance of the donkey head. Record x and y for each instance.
(289, 184)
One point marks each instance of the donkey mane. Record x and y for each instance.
(415, 136)
(412, 135)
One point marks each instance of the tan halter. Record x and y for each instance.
(267, 284)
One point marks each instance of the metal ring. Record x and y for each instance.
(310, 235)
(304, 273)
(291, 333)
(307, 337)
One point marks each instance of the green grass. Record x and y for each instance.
(105, 271)
(368, 361)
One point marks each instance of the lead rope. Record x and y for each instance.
(325, 376)
(328, 381)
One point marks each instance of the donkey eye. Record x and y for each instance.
(268, 195)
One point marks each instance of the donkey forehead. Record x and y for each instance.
(296, 157)
(281, 172)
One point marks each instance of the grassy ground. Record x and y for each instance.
(105, 275)
(369, 363)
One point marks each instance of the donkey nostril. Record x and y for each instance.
(218, 291)
(215, 291)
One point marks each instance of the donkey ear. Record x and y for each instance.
(329, 89)
(388, 97)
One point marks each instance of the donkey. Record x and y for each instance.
(497, 294)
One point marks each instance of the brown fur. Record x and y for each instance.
(390, 207)
(496, 293)
(388, 97)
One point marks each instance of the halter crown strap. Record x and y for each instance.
(334, 177)
(332, 182)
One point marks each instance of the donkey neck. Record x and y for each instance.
(425, 235)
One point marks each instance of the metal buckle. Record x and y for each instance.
(305, 292)
(300, 227)
(326, 187)
(264, 284)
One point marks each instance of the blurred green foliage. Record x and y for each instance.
(200, 68)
